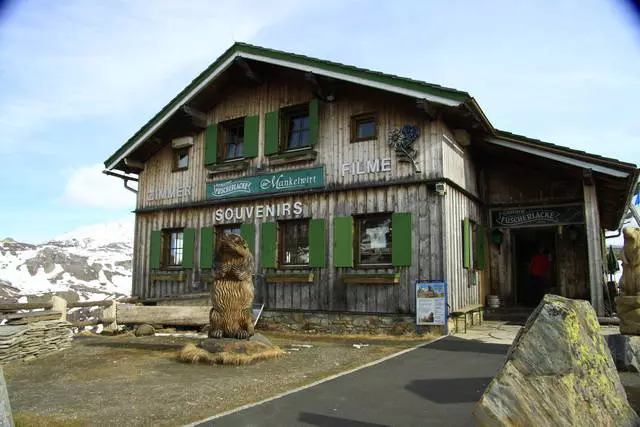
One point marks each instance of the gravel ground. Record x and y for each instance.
(132, 381)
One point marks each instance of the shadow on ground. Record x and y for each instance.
(330, 421)
(136, 345)
(459, 344)
(450, 390)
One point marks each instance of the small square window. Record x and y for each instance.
(232, 140)
(294, 243)
(297, 127)
(172, 247)
(374, 240)
(364, 127)
(181, 159)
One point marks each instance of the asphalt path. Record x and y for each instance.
(434, 385)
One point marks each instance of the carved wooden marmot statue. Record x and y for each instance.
(630, 280)
(232, 291)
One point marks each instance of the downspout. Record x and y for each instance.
(125, 179)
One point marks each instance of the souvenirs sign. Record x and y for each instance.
(301, 179)
(431, 303)
(537, 216)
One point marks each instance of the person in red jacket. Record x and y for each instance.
(539, 269)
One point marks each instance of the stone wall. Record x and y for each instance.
(342, 323)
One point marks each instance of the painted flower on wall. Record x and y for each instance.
(402, 140)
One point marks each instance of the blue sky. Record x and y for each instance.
(78, 78)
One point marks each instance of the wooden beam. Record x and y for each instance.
(594, 248)
(162, 315)
(425, 106)
(320, 91)
(248, 71)
(134, 164)
(198, 118)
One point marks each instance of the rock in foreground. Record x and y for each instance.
(558, 372)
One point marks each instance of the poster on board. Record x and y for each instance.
(431, 303)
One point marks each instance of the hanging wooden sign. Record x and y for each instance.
(537, 216)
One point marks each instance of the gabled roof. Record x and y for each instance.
(430, 92)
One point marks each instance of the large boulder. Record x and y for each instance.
(558, 372)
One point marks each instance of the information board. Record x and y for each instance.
(431, 302)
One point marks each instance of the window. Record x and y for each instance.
(294, 243)
(232, 139)
(181, 159)
(364, 127)
(296, 125)
(173, 246)
(374, 240)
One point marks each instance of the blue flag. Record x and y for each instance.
(637, 200)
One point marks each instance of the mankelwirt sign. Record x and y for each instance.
(269, 183)
(537, 216)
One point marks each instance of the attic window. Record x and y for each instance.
(364, 127)
(180, 159)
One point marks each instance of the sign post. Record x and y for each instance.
(431, 303)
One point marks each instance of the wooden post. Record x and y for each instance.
(59, 304)
(594, 247)
(109, 317)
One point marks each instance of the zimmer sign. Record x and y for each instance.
(270, 183)
(537, 216)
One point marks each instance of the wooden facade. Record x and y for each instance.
(462, 174)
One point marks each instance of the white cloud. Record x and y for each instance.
(88, 186)
(86, 59)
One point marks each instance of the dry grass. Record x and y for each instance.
(29, 419)
(192, 354)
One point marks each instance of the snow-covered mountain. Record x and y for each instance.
(89, 263)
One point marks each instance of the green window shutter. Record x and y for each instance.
(251, 127)
(207, 239)
(269, 245)
(480, 247)
(313, 122)
(466, 243)
(271, 136)
(188, 246)
(343, 241)
(248, 233)
(211, 145)
(317, 241)
(155, 249)
(401, 233)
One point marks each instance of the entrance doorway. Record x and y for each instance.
(535, 269)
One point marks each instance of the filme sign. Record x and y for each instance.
(367, 166)
(537, 216)
(269, 183)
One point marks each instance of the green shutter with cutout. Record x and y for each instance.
(251, 128)
(317, 243)
(188, 247)
(479, 247)
(211, 145)
(207, 239)
(401, 239)
(269, 245)
(343, 241)
(313, 122)
(271, 135)
(466, 243)
(248, 233)
(155, 249)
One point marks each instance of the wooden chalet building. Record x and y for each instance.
(351, 185)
